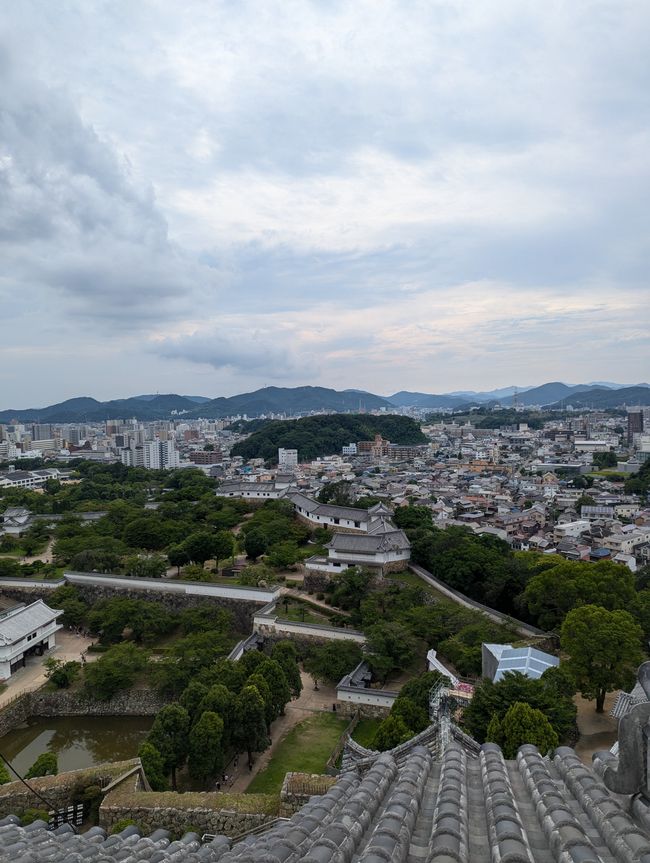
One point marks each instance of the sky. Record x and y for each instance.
(211, 197)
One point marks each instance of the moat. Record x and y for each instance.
(77, 741)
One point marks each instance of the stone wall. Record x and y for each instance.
(315, 582)
(59, 791)
(133, 702)
(297, 788)
(365, 711)
(241, 609)
(200, 811)
(15, 713)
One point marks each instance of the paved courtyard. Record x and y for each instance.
(68, 647)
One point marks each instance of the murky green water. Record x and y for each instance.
(77, 741)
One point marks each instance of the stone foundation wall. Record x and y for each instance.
(315, 582)
(59, 791)
(297, 788)
(365, 711)
(134, 702)
(15, 713)
(241, 610)
(200, 811)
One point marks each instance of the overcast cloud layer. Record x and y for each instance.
(207, 197)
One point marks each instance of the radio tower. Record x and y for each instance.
(515, 399)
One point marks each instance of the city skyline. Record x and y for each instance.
(213, 199)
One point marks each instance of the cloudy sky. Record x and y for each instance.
(209, 197)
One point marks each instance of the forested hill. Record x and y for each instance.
(325, 435)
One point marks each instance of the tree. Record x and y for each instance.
(223, 546)
(154, 566)
(146, 532)
(332, 661)
(283, 554)
(251, 727)
(255, 543)
(260, 683)
(177, 557)
(113, 671)
(218, 699)
(604, 650)
(169, 734)
(199, 546)
(206, 756)
(550, 595)
(391, 646)
(550, 694)
(5, 776)
(415, 717)
(525, 724)
(68, 599)
(62, 674)
(153, 766)
(392, 731)
(337, 493)
(191, 698)
(45, 765)
(272, 672)
(286, 654)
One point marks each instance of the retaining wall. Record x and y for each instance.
(201, 811)
(525, 629)
(59, 790)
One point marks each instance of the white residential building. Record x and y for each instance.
(287, 458)
(26, 631)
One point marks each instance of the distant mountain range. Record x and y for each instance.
(289, 400)
(294, 401)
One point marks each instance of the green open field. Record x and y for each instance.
(364, 732)
(305, 749)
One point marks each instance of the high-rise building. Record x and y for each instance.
(42, 431)
(634, 423)
(287, 458)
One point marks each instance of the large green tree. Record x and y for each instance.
(251, 728)
(553, 593)
(604, 649)
(206, 755)
(552, 694)
(170, 735)
(522, 724)
(286, 654)
(153, 766)
(114, 671)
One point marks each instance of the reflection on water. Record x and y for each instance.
(77, 741)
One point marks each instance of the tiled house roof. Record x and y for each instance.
(414, 808)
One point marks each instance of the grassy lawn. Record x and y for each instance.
(305, 749)
(301, 612)
(364, 732)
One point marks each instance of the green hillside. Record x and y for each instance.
(325, 435)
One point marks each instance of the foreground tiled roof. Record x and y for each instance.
(532, 810)
(406, 806)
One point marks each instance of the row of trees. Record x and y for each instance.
(224, 709)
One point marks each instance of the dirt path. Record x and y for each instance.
(597, 730)
(309, 701)
(45, 555)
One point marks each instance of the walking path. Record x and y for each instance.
(68, 647)
(45, 556)
(309, 701)
(597, 730)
